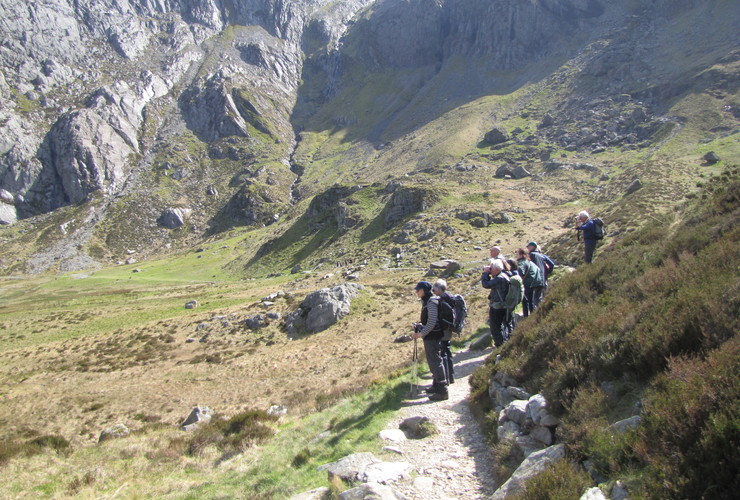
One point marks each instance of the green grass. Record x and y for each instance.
(220, 460)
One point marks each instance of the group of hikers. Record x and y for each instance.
(521, 278)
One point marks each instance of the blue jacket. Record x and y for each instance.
(499, 287)
(589, 230)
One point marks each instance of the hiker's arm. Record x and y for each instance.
(431, 318)
(486, 280)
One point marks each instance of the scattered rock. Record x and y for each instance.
(483, 342)
(256, 322)
(191, 304)
(516, 411)
(534, 464)
(277, 411)
(711, 158)
(386, 472)
(624, 425)
(322, 493)
(547, 121)
(8, 214)
(172, 218)
(634, 186)
(619, 491)
(448, 266)
(350, 467)
(371, 491)
(393, 435)
(496, 136)
(199, 415)
(115, 432)
(402, 338)
(418, 427)
(393, 449)
(594, 493)
(542, 434)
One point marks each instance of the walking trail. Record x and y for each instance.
(456, 463)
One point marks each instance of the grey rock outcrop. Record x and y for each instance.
(115, 432)
(634, 186)
(8, 214)
(321, 309)
(534, 464)
(406, 201)
(198, 416)
(496, 136)
(711, 158)
(172, 218)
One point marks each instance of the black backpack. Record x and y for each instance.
(599, 228)
(452, 315)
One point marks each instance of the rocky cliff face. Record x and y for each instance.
(166, 102)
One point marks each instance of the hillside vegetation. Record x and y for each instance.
(650, 328)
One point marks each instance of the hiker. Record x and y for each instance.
(439, 288)
(495, 252)
(533, 281)
(430, 331)
(544, 262)
(494, 280)
(511, 316)
(587, 225)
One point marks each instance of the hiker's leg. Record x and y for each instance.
(433, 349)
(527, 301)
(590, 246)
(497, 323)
(536, 297)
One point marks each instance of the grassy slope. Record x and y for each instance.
(655, 318)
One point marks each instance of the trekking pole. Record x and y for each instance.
(414, 370)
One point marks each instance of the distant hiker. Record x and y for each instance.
(533, 281)
(446, 303)
(494, 280)
(544, 262)
(495, 252)
(588, 226)
(430, 330)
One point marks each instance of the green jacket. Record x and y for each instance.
(531, 274)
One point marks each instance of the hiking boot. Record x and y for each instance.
(439, 396)
(433, 389)
(451, 379)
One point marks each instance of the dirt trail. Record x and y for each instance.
(456, 463)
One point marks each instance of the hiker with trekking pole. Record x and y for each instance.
(430, 331)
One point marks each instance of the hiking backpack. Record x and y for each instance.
(599, 228)
(452, 316)
(461, 313)
(515, 293)
(446, 315)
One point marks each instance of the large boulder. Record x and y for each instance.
(172, 218)
(321, 309)
(496, 136)
(8, 214)
(533, 465)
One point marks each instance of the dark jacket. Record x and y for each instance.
(429, 318)
(589, 230)
(544, 262)
(499, 287)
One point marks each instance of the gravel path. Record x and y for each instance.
(456, 463)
